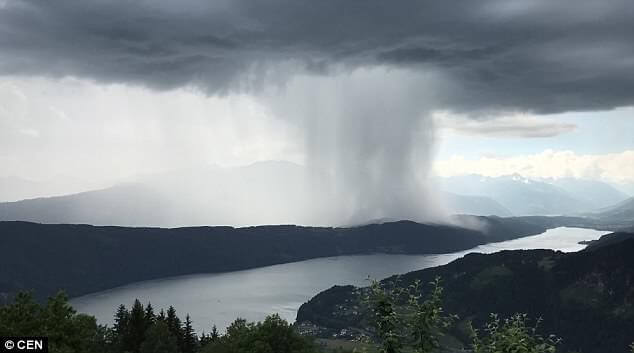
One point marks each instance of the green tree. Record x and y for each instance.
(161, 316)
(276, 334)
(121, 318)
(136, 326)
(386, 322)
(189, 336)
(175, 327)
(88, 336)
(211, 337)
(121, 337)
(403, 317)
(67, 331)
(512, 335)
(22, 317)
(173, 322)
(273, 335)
(149, 316)
(428, 319)
(214, 333)
(159, 340)
(237, 336)
(60, 324)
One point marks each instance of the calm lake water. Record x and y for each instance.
(252, 294)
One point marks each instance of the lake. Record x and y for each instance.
(220, 298)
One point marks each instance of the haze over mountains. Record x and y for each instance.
(263, 193)
(622, 210)
(524, 196)
(283, 193)
(15, 189)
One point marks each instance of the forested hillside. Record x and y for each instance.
(587, 298)
(82, 259)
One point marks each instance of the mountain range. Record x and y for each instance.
(277, 192)
(15, 189)
(525, 197)
(621, 211)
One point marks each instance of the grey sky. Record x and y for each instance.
(503, 54)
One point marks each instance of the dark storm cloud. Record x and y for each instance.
(544, 56)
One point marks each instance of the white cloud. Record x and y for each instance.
(515, 125)
(611, 167)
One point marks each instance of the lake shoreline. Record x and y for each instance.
(252, 293)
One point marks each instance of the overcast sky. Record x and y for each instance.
(370, 91)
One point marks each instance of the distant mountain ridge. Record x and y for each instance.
(284, 193)
(139, 204)
(474, 205)
(237, 196)
(82, 259)
(598, 194)
(527, 197)
(125, 204)
(623, 211)
(15, 189)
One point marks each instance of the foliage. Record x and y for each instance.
(210, 337)
(583, 297)
(139, 330)
(190, 341)
(513, 335)
(428, 319)
(159, 340)
(382, 303)
(403, 317)
(273, 335)
(66, 330)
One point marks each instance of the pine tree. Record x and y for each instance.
(173, 323)
(121, 318)
(189, 337)
(137, 325)
(150, 318)
(121, 328)
(174, 326)
(214, 335)
(161, 316)
(206, 338)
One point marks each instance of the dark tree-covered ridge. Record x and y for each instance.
(81, 258)
(586, 297)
